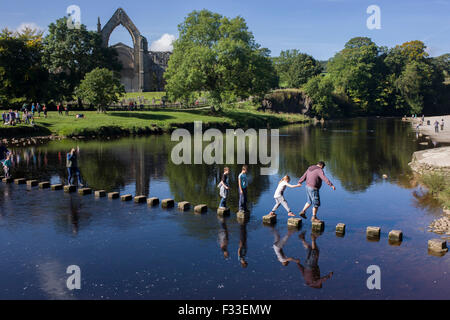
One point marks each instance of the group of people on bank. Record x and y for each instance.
(313, 177)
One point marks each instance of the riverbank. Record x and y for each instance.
(123, 123)
(428, 130)
(433, 169)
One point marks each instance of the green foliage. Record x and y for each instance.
(69, 54)
(22, 77)
(320, 90)
(295, 68)
(435, 182)
(100, 88)
(217, 56)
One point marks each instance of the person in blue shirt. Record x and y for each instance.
(243, 184)
(72, 168)
(3, 151)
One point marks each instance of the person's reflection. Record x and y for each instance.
(74, 217)
(223, 238)
(278, 245)
(311, 270)
(242, 251)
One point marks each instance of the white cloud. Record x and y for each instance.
(29, 25)
(164, 43)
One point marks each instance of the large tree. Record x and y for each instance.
(296, 68)
(217, 56)
(101, 88)
(69, 54)
(356, 71)
(22, 77)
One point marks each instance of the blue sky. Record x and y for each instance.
(319, 27)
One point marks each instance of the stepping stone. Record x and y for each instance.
(70, 189)
(340, 229)
(84, 191)
(140, 199)
(20, 181)
(201, 208)
(184, 206)
(153, 202)
(126, 197)
(437, 247)
(395, 236)
(7, 180)
(318, 226)
(270, 219)
(56, 186)
(167, 203)
(373, 233)
(243, 215)
(32, 183)
(100, 193)
(223, 212)
(294, 222)
(44, 185)
(113, 195)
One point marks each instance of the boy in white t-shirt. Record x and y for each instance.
(279, 197)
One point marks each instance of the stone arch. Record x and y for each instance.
(139, 43)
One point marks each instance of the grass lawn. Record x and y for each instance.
(146, 95)
(132, 122)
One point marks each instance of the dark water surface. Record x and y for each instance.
(126, 250)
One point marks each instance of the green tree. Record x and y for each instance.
(295, 68)
(69, 54)
(100, 88)
(320, 90)
(356, 71)
(22, 77)
(217, 56)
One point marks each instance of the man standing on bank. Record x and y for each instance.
(314, 176)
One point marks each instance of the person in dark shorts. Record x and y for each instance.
(311, 270)
(314, 177)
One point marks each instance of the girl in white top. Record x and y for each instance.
(279, 197)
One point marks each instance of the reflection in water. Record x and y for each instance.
(278, 245)
(242, 251)
(45, 226)
(311, 270)
(223, 237)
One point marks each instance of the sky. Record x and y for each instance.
(317, 27)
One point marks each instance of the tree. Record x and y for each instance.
(69, 54)
(320, 90)
(22, 77)
(100, 88)
(296, 68)
(217, 56)
(356, 71)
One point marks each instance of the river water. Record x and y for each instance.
(131, 251)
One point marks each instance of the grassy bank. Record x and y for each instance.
(146, 122)
(439, 186)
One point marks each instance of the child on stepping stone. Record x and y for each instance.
(7, 166)
(279, 197)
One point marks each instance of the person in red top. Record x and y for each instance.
(314, 177)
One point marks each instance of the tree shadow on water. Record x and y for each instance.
(139, 115)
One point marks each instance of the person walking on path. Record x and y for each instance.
(224, 188)
(436, 126)
(442, 125)
(243, 184)
(44, 109)
(279, 196)
(72, 167)
(314, 177)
